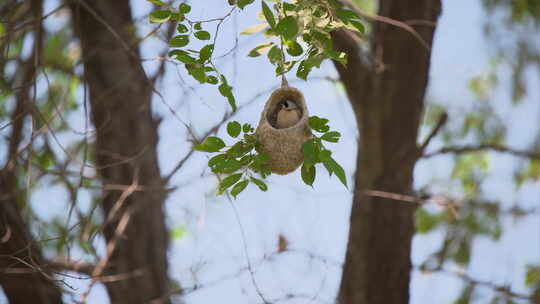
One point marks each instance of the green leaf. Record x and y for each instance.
(463, 253)
(308, 174)
(184, 8)
(532, 276)
(254, 29)
(319, 124)
(202, 35)
(359, 26)
(246, 160)
(332, 166)
(159, 16)
(197, 71)
(335, 4)
(157, 2)
(332, 136)
(197, 26)
(289, 6)
(243, 3)
(226, 91)
(425, 222)
(288, 28)
(217, 160)
(324, 155)
(176, 16)
(285, 67)
(234, 128)
(211, 79)
(346, 15)
(323, 40)
(206, 53)
(246, 128)
(303, 70)
(229, 166)
(340, 57)
(178, 232)
(228, 182)
(182, 56)
(182, 28)
(260, 49)
(294, 49)
(45, 159)
(309, 148)
(275, 55)
(239, 188)
(210, 144)
(268, 15)
(179, 41)
(262, 185)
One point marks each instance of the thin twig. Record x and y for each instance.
(442, 120)
(482, 148)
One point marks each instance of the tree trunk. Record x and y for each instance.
(126, 140)
(23, 275)
(387, 97)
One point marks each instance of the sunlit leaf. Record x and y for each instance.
(157, 2)
(254, 29)
(294, 49)
(159, 16)
(260, 49)
(178, 232)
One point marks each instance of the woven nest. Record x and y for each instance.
(284, 146)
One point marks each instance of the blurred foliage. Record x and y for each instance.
(49, 157)
(475, 124)
(41, 164)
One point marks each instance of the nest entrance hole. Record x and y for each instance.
(271, 115)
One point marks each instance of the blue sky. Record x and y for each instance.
(316, 221)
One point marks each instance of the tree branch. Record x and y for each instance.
(482, 148)
(442, 120)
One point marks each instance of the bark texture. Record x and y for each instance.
(126, 140)
(387, 96)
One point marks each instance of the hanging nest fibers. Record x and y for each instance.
(284, 146)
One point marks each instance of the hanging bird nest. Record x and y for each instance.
(284, 146)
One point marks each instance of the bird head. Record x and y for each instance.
(288, 105)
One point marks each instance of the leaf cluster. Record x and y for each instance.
(197, 62)
(244, 162)
(303, 28)
(315, 152)
(240, 163)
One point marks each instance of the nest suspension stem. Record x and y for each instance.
(284, 82)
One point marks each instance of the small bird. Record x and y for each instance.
(288, 115)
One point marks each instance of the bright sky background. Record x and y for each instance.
(315, 221)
